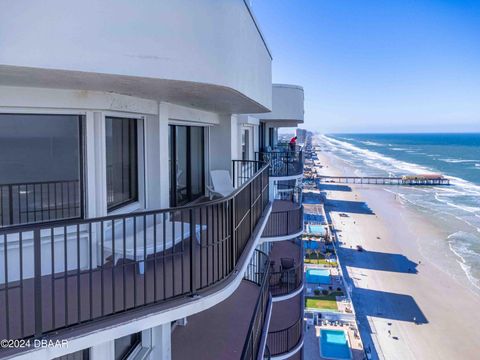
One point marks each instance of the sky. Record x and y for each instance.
(378, 66)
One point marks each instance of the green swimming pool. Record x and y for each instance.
(318, 276)
(334, 345)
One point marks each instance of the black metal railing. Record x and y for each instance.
(258, 271)
(286, 146)
(23, 203)
(284, 282)
(287, 192)
(243, 170)
(58, 275)
(283, 163)
(284, 223)
(285, 340)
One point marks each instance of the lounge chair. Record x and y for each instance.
(222, 183)
(136, 245)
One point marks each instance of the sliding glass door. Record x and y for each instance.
(122, 168)
(187, 163)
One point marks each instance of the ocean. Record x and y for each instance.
(456, 208)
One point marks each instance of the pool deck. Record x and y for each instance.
(312, 342)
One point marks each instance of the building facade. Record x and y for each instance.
(116, 241)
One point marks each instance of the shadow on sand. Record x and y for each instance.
(374, 260)
(333, 187)
(388, 305)
(346, 206)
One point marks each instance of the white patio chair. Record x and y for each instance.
(222, 183)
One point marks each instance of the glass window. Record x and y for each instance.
(40, 168)
(245, 145)
(122, 160)
(126, 344)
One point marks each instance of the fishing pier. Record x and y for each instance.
(419, 180)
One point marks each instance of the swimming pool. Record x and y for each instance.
(334, 345)
(318, 276)
(316, 229)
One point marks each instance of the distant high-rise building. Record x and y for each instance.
(301, 135)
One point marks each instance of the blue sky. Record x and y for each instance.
(378, 66)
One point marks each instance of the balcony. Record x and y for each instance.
(65, 274)
(285, 335)
(286, 218)
(221, 331)
(286, 261)
(284, 163)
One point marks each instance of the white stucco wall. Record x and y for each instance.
(287, 105)
(201, 42)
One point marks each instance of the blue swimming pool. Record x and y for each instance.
(318, 276)
(316, 229)
(334, 345)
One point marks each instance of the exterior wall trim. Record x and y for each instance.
(281, 238)
(290, 295)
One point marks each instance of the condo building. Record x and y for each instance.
(147, 208)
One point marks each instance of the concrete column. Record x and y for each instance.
(100, 165)
(153, 163)
(223, 144)
(164, 181)
(162, 342)
(104, 351)
(97, 175)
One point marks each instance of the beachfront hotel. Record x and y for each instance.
(147, 208)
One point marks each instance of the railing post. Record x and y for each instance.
(233, 174)
(37, 253)
(251, 205)
(10, 204)
(193, 262)
(288, 222)
(233, 234)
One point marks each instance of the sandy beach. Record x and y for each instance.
(412, 299)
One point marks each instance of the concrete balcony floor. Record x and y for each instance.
(284, 205)
(285, 249)
(219, 332)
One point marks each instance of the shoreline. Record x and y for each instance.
(408, 304)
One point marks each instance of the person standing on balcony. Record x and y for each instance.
(293, 143)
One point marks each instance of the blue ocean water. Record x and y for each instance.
(456, 156)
